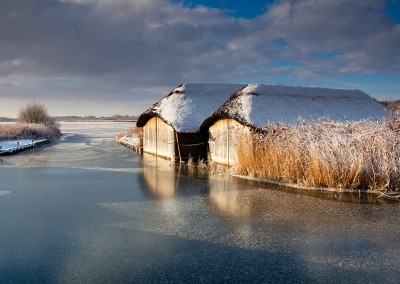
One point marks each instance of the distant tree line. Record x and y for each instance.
(7, 119)
(72, 118)
(116, 117)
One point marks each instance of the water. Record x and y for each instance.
(87, 210)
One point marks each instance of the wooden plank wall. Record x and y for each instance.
(165, 140)
(158, 138)
(149, 136)
(222, 140)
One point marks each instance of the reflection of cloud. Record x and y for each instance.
(328, 236)
(4, 192)
(60, 169)
(187, 218)
(153, 244)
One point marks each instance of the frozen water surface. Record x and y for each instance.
(88, 210)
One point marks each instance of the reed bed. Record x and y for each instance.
(29, 131)
(355, 155)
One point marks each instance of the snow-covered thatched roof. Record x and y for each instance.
(257, 105)
(187, 106)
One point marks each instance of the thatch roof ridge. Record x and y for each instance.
(257, 105)
(297, 90)
(188, 105)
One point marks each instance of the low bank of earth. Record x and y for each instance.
(383, 193)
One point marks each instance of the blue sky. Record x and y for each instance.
(105, 57)
(235, 8)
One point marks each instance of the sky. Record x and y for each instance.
(106, 57)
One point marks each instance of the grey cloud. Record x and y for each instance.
(127, 44)
(341, 28)
(137, 39)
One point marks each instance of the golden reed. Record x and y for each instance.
(353, 155)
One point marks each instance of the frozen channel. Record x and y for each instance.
(88, 210)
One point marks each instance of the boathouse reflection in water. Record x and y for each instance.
(158, 174)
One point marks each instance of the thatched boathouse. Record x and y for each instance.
(257, 105)
(171, 127)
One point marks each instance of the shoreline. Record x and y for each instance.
(23, 147)
(99, 120)
(394, 195)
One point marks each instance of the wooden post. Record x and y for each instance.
(156, 138)
(227, 138)
(179, 147)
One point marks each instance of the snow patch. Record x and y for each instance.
(9, 146)
(129, 140)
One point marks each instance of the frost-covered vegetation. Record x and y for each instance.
(393, 106)
(33, 122)
(133, 132)
(28, 130)
(36, 113)
(353, 155)
(133, 138)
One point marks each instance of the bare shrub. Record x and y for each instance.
(35, 113)
(356, 155)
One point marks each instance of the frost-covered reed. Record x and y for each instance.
(135, 132)
(29, 131)
(352, 155)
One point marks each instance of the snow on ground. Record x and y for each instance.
(129, 140)
(13, 144)
(8, 146)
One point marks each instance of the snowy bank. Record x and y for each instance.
(130, 142)
(8, 147)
